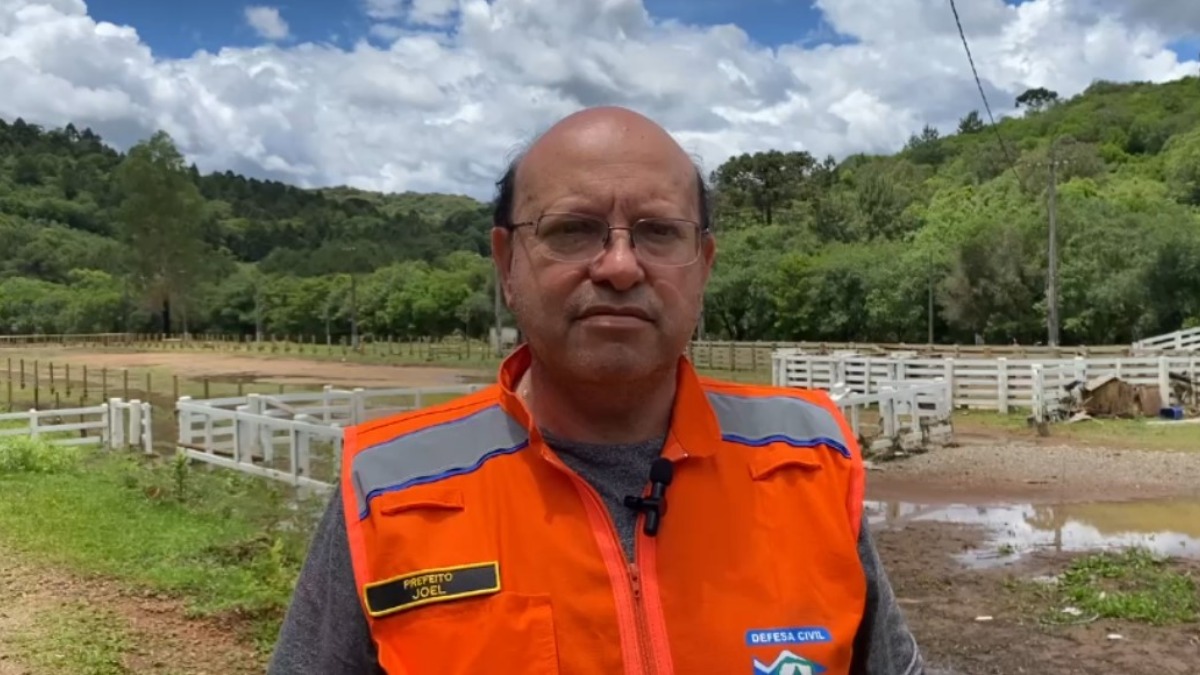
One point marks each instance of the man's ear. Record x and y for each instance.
(502, 252)
(708, 252)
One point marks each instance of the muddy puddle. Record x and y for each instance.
(1013, 530)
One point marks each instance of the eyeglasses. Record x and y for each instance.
(570, 237)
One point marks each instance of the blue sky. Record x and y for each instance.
(441, 116)
(178, 29)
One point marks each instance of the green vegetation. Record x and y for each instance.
(72, 640)
(23, 454)
(810, 249)
(1138, 433)
(229, 544)
(1134, 585)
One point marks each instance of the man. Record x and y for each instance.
(522, 529)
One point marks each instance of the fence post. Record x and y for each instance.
(887, 413)
(358, 407)
(949, 368)
(147, 430)
(1002, 383)
(106, 431)
(33, 423)
(117, 422)
(1039, 397)
(184, 421)
(135, 422)
(1164, 380)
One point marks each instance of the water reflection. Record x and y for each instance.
(1168, 527)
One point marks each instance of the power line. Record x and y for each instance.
(995, 129)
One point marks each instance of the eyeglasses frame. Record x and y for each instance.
(702, 231)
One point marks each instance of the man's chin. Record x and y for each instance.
(614, 362)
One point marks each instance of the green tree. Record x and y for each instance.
(971, 124)
(765, 182)
(160, 218)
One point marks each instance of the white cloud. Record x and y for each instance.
(442, 110)
(267, 22)
(433, 12)
(384, 9)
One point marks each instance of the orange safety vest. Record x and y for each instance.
(477, 550)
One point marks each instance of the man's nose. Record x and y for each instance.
(618, 264)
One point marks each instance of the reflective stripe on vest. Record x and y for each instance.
(760, 421)
(434, 453)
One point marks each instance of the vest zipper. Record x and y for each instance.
(643, 628)
(636, 641)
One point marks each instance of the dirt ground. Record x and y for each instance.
(162, 641)
(275, 370)
(942, 515)
(1056, 480)
(947, 606)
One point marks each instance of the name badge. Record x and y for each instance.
(429, 586)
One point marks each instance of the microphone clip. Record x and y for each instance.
(654, 505)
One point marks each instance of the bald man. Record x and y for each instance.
(524, 529)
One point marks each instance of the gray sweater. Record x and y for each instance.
(325, 632)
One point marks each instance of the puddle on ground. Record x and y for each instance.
(1167, 527)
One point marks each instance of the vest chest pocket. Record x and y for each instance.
(500, 633)
(441, 603)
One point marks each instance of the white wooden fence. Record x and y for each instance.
(1180, 341)
(906, 414)
(999, 384)
(1051, 386)
(116, 424)
(295, 437)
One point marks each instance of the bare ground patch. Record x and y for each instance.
(52, 622)
(986, 622)
(274, 369)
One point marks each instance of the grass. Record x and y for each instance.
(78, 638)
(1133, 585)
(1132, 433)
(229, 545)
(22, 454)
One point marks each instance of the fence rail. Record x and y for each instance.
(114, 424)
(295, 437)
(907, 414)
(1180, 341)
(1051, 386)
(999, 384)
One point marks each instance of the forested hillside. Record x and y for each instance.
(92, 240)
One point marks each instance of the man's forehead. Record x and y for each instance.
(596, 153)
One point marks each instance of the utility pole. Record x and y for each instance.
(929, 290)
(1052, 322)
(258, 317)
(353, 313)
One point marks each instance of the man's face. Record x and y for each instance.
(576, 316)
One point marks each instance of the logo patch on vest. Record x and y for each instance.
(788, 636)
(429, 586)
(788, 663)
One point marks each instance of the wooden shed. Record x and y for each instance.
(1110, 396)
